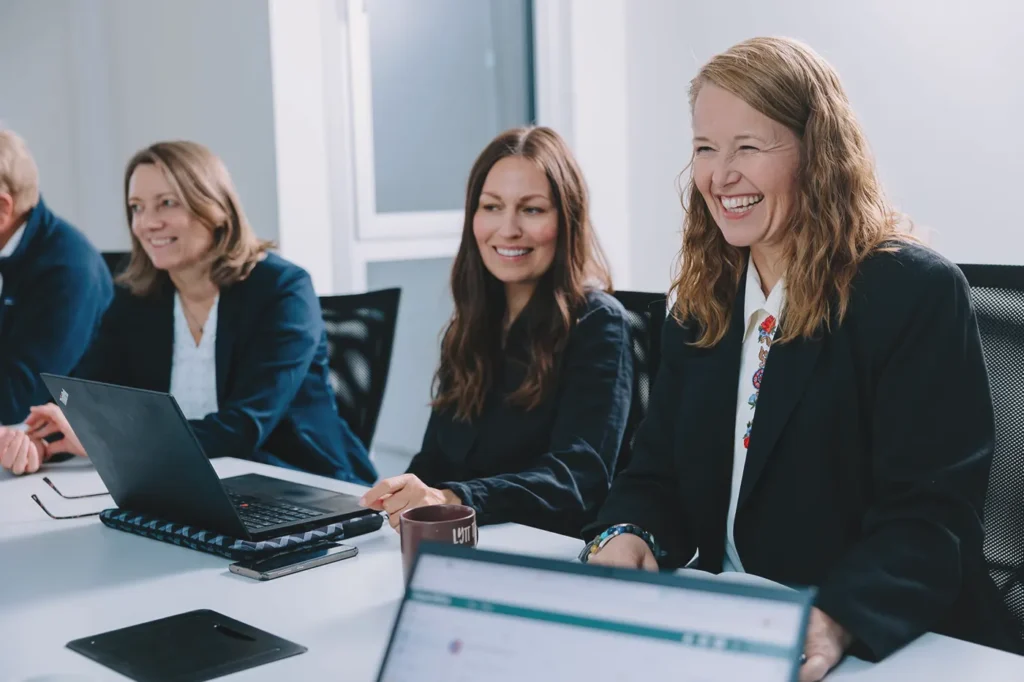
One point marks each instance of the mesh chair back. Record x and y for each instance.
(998, 293)
(645, 313)
(360, 336)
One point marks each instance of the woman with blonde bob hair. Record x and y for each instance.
(801, 298)
(205, 311)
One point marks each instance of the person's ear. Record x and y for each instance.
(6, 210)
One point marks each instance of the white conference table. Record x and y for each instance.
(61, 580)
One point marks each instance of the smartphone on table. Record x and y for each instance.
(268, 568)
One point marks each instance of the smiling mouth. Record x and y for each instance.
(161, 242)
(512, 253)
(742, 204)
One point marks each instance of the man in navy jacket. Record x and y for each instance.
(54, 288)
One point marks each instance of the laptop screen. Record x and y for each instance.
(488, 616)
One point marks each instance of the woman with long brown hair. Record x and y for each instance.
(821, 414)
(206, 311)
(533, 389)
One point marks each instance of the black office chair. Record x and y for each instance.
(645, 313)
(360, 336)
(998, 293)
(116, 261)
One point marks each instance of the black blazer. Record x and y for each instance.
(55, 290)
(550, 467)
(868, 460)
(275, 402)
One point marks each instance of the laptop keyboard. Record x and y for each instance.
(256, 514)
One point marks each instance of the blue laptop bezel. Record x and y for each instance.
(801, 596)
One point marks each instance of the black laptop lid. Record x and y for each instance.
(145, 452)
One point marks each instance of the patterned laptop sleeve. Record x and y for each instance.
(233, 548)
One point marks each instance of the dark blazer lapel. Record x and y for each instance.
(229, 307)
(786, 372)
(159, 351)
(456, 437)
(708, 421)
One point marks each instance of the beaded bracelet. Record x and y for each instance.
(595, 545)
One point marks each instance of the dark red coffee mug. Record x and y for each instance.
(454, 524)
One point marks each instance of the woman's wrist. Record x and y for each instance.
(43, 451)
(450, 497)
(595, 545)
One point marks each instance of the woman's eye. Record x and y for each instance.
(533, 210)
(703, 149)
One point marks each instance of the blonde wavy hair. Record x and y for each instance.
(840, 215)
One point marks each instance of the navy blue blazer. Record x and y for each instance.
(275, 401)
(549, 467)
(55, 290)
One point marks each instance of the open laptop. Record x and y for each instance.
(151, 462)
(474, 615)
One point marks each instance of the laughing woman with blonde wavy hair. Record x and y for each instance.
(800, 300)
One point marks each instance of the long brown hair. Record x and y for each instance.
(839, 218)
(471, 346)
(202, 182)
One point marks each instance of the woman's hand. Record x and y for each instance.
(44, 421)
(395, 495)
(825, 645)
(19, 453)
(625, 551)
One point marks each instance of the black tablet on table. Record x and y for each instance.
(188, 647)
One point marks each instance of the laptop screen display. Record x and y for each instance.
(466, 619)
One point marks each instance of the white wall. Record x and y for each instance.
(599, 76)
(936, 84)
(36, 97)
(425, 307)
(299, 46)
(89, 82)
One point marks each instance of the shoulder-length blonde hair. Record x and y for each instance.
(472, 341)
(201, 181)
(840, 215)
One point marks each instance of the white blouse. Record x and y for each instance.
(762, 315)
(194, 366)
